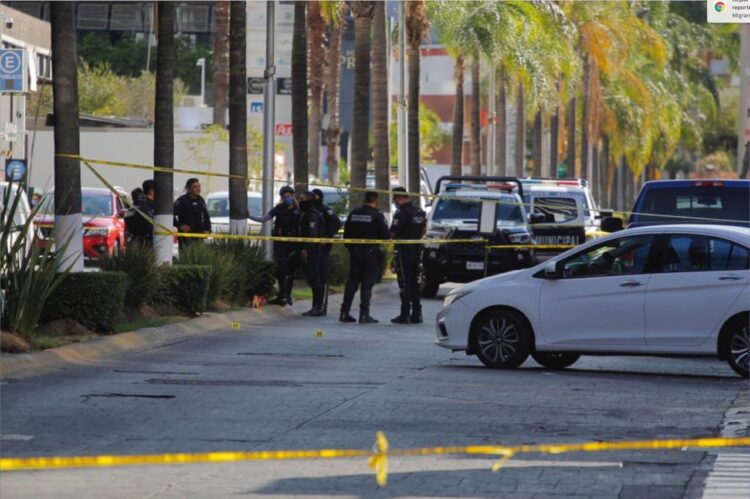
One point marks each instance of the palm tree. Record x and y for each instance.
(299, 96)
(221, 62)
(363, 12)
(316, 28)
(501, 167)
(237, 120)
(333, 12)
(381, 156)
(457, 155)
(520, 131)
(68, 221)
(476, 127)
(164, 126)
(416, 29)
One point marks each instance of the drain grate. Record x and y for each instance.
(130, 395)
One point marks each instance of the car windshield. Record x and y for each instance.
(93, 204)
(219, 206)
(670, 205)
(451, 209)
(556, 209)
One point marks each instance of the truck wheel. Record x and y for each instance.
(428, 286)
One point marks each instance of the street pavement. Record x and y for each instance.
(277, 383)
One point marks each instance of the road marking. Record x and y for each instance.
(730, 476)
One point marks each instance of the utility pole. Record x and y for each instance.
(403, 167)
(743, 129)
(269, 121)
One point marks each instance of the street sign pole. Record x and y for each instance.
(269, 119)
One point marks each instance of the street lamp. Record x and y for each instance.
(202, 63)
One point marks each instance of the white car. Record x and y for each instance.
(218, 209)
(660, 290)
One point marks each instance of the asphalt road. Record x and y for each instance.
(275, 384)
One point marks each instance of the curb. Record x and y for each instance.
(91, 351)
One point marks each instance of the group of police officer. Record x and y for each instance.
(310, 218)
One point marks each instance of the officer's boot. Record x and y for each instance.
(345, 317)
(288, 290)
(281, 298)
(364, 316)
(324, 308)
(416, 314)
(403, 318)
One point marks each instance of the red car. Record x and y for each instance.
(103, 221)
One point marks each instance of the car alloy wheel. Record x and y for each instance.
(552, 360)
(739, 350)
(502, 340)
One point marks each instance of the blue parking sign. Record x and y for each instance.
(12, 70)
(15, 169)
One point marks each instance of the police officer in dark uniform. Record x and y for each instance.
(286, 217)
(409, 222)
(311, 226)
(331, 226)
(191, 213)
(137, 228)
(366, 222)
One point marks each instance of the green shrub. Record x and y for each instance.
(139, 262)
(93, 299)
(223, 268)
(254, 276)
(338, 270)
(186, 287)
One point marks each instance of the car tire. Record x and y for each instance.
(737, 346)
(502, 339)
(555, 361)
(428, 286)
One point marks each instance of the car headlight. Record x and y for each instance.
(519, 238)
(453, 297)
(96, 232)
(434, 234)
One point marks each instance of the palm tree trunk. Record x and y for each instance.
(316, 26)
(416, 27)
(476, 127)
(381, 155)
(237, 120)
(585, 120)
(333, 79)
(501, 130)
(68, 221)
(299, 97)
(570, 161)
(164, 127)
(520, 131)
(538, 138)
(457, 153)
(221, 62)
(362, 11)
(554, 152)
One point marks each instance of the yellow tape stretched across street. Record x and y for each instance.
(378, 456)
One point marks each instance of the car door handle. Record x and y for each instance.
(730, 278)
(631, 284)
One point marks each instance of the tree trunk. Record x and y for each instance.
(416, 26)
(68, 220)
(594, 180)
(554, 142)
(520, 131)
(221, 62)
(362, 11)
(570, 161)
(381, 156)
(316, 26)
(501, 130)
(333, 79)
(476, 126)
(164, 127)
(585, 120)
(299, 97)
(238, 120)
(538, 137)
(457, 146)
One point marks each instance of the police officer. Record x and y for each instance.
(137, 228)
(311, 226)
(366, 222)
(285, 216)
(191, 213)
(409, 222)
(331, 226)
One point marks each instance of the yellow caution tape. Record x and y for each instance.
(377, 457)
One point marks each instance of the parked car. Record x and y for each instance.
(455, 215)
(724, 202)
(666, 290)
(218, 209)
(103, 221)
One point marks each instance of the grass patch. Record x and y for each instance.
(124, 327)
(46, 342)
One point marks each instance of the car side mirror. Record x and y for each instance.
(551, 271)
(537, 218)
(122, 213)
(612, 224)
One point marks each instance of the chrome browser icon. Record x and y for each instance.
(720, 7)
